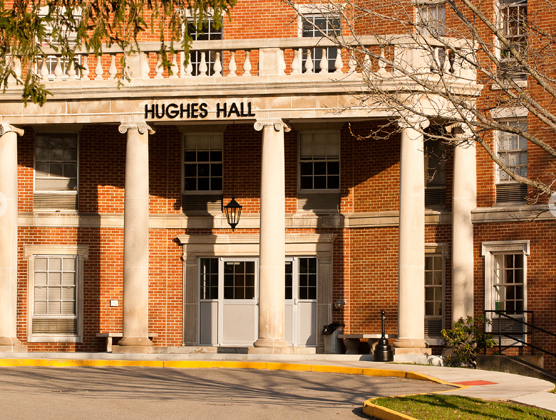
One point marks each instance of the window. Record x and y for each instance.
(318, 26)
(434, 294)
(431, 19)
(61, 30)
(56, 292)
(56, 172)
(209, 32)
(435, 173)
(513, 20)
(512, 151)
(319, 161)
(202, 157)
(506, 286)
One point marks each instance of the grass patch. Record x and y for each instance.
(449, 407)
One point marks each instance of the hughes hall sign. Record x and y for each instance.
(193, 110)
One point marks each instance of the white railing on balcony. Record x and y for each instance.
(264, 57)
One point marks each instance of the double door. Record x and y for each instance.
(229, 301)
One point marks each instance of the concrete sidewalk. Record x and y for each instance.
(473, 382)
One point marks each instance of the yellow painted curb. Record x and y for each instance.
(382, 413)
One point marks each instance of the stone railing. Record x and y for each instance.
(263, 57)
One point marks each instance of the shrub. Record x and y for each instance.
(466, 339)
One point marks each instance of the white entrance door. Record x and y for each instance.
(228, 305)
(301, 302)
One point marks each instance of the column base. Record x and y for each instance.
(271, 342)
(13, 349)
(270, 350)
(135, 342)
(410, 343)
(133, 349)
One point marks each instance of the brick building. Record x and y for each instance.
(112, 216)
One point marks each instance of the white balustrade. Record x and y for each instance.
(295, 57)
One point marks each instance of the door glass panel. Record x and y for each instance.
(307, 278)
(208, 278)
(239, 280)
(289, 274)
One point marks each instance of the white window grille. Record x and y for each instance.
(209, 32)
(318, 26)
(202, 163)
(319, 161)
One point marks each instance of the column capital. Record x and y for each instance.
(460, 130)
(142, 127)
(416, 122)
(8, 128)
(277, 123)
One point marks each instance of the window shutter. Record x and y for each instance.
(54, 201)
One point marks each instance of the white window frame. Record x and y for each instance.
(497, 136)
(31, 252)
(184, 140)
(299, 161)
(422, 26)
(440, 250)
(210, 56)
(316, 13)
(63, 192)
(499, 50)
(489, 251)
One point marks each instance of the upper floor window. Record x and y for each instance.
(513, 21)
(319, 161)
(210, 31)
(318, 26)
(202, 163)
(435, 173)
(431, 19)
(56, 171)
(512, 151)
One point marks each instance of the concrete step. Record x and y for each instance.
(531, 366)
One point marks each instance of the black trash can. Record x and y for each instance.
(332, 344)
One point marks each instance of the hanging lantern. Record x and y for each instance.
(233, 212)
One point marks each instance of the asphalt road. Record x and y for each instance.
(151, 393)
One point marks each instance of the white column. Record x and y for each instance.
(8, 237)
(464, 200)
(411, 280)
(272, 240)
(136, 236)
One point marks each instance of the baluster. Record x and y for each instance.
(232, 67)
(58, 71)
(367, 64)
(282, 64)
(44, 68)
(309, 63)
(183, 67)
(352, 63)
(146, 67)
(71, 69)
(189, 68)
(217, 67)
(449, 68)
(323, 62)
(295, 62)
(203, 65)
(17, 67)
(112, 71)
(174, 66)
(247, 65)
(98, 69)
(159, 68)
(381, 62)
(338, 63)
(85, 71)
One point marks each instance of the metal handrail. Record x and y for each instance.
(512, 335)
